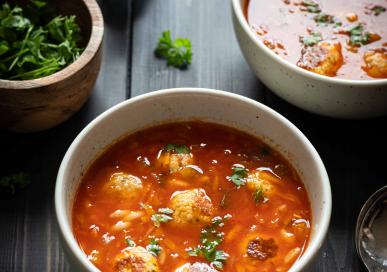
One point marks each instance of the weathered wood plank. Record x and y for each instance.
(28, 231)
(217, 61)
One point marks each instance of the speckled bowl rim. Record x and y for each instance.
(93, 45)
(60, 209)
(238, 11)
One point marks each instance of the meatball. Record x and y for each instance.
(175, 162)
(136, 259)
(123, 185)
(262, 249)
(324, 58)
(260, 180)
(196, 267)
(376, 63)
(191, 207)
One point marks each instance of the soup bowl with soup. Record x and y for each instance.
(192, 180)
(325, 56)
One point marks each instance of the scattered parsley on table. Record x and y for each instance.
(177, 52)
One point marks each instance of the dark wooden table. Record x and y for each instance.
(353, 151)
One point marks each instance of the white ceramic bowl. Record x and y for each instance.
(323, 95)
(192, 104)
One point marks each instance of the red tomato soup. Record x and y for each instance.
(337, 38)
(191, 196)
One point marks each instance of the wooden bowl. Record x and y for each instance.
(39, 104)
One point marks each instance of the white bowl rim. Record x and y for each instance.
(93, 45)
(66, 230)
(238, 10)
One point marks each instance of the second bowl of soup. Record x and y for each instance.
(327, 57)
(192, 180)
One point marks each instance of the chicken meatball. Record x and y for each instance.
(191, 207)
(196, 267)
(136, 259)
(123, 185)
(175, 162)
(324, 58)
(376, 63)
(260, 180)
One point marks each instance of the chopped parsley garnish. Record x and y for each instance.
(311, 6)
(178, 149)
(154, 248)
(358, 36)
(210, 239)
(17, 180)
(326, 19)
(377, 10)
(34, 43)
(178, 52)
(314, 38)
(259, 196)
(239, 176)
(130, 242)
(165, 210)
(162, 216)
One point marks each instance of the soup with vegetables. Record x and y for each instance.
(191, 197)
(337, 38)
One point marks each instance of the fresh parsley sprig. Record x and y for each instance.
(259, 196)
(13, 181)
(239, 176)
(163, 216)
(377, 10)
(178, 149)
(312, 39)
(311, 6)
(210, 239)
(130, 242)
(177, 53)
(358, 36)
(154, 248)
(326, 19)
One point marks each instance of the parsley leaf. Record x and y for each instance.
(39, 3)
(210, 239)
(311, 6)
(311, 40)
(259, 196)
(130, 242)
(178, 53)
(165, 210)
(326, 19)
(154, 248)
(178, 149)
(358, 36)
(18, 180)
(238, 176)
(377, 10)
(162, 216)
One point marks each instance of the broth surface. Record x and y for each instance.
(265, 220)
(282, 24)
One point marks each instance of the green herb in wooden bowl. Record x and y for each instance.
(34, 42)
(50, 56)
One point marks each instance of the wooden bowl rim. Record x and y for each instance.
(92, 47)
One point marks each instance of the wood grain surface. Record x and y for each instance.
(353, 151)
